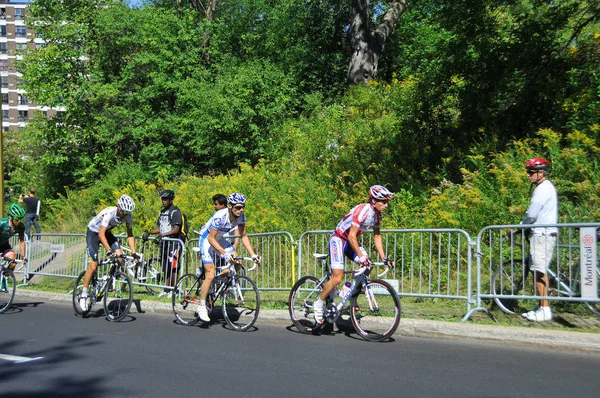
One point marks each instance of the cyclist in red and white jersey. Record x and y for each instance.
(344, 241)
(99, 232)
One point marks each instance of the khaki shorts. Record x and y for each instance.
(541, 249)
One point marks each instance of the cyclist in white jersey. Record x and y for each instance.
(215, 244)
(99, 233)
(344, 241)
(543, 209)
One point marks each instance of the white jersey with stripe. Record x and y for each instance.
(362, 216)
(225, 227)
(108, 218)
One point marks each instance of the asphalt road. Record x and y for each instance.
(148, 355)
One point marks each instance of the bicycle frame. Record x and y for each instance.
(360, 279)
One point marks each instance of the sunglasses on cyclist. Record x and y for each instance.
(531, 172)
(238, 207)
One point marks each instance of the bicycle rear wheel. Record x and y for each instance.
(8, 285)
(510, 280)
(376, 312)
(186, 299)
(241, 303)
(302, 297)
(118, 296)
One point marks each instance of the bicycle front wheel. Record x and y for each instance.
(241, 303)
(186, 299)
(8, 285)
(118, 296)
(376, 312)
(304, 293)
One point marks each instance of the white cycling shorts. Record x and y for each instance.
(340, 248)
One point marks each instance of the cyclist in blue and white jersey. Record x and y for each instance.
(215, 243)
(99, 232)
(344, 241)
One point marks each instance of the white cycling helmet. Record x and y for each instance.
(236, 198)
(379, 192)
(126, 204)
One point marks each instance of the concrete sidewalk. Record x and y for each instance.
(506, 335)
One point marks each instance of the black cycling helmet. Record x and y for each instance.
(167, 194)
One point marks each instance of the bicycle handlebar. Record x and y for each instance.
(240, 259)
(362, 270)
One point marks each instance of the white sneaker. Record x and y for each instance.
(318, 311)
(165, 294)
(542, 314)
(202, 313)
(83, 303)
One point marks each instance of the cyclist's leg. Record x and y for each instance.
(337, 246)
(336, 254)
(10, 256)
(93, 243)
(206, 254)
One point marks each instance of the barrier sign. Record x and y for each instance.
(588, 260)
(57, 248)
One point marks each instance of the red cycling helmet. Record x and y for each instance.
(538, 164)
(379, 192)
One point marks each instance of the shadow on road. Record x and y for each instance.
(33, 376)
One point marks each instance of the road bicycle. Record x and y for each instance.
(513, 278)
(8, 283)
(113, 287)
(238, 295)
(145, 272)
(374, 305)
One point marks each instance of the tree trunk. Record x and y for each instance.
(367, 46)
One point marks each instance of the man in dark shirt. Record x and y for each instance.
(32, 211)
(169, 226)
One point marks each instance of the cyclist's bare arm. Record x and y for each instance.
(247, 244)
(130, 238)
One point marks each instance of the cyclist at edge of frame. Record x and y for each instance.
(215, 245)
(9, 226)
(344, 240)
(99, 232)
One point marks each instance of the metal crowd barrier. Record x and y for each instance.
(502, 266)
(277, 251)
(64, 255)
(430, 263)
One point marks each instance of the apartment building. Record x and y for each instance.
(15, 38)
